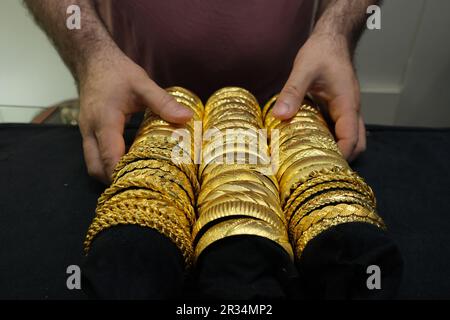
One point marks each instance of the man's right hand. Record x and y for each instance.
(111, 86)
(111, 89)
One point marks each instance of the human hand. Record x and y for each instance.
(112, 89)
(324, 68)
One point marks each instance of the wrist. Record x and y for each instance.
(97, 60)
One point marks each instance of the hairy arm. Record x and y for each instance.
(111, 85)
(78, 48)
(324, 67)
(343, 18)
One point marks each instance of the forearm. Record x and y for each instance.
(343, 19)
(79, 48)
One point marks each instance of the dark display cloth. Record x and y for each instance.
(47, 202)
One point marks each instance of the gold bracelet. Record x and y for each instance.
(146, 217)
(142, 154)
(163, 186)
(237, 176)
(327, 199)
(304, 154)
(238, 209)
(176, 177)
(293, 145)
(231, 107)
(327, 186)
(328, 175)
(242, 186)
(217, 196)
(233, 113)
(145, 194)
(337, 216)
(259, 171)
(150, 164)
(301, 169)
(243, 226)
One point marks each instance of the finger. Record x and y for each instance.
(92, 159)
(163, 103)
(291, 97)
(346, 124)
(111, 143)
(361, 144)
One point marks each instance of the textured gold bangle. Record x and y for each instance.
(163, 192)
(166, 171)
(328, 175)
(260, 171)
(272, 123)
(233, 113)
(149, 164)
(327, 186)
(176, 177)
(145, 194)
(217, 196)
(268, 106)
(242, 226)
(233, 122)
(304, 134)
(283, 137)
(333, 216)
(238, 209)
(187, 94)
(327, 199)
(237, 176)
(216, 147)
(212, 170)
(233, 158)
(301, 169)
(233, 93)
(340, 210)
(241, 187)
(143, 154)
(163, 186)
(144, 216)
(292, 127)
(293, 145)
(231, 108)
(164, 208)
(304, 154)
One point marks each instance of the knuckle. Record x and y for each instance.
(95, 173)
(293, 91)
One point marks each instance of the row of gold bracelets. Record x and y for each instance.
(155, 184)
(239, 195)
(318, 190)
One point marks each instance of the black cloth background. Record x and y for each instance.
(47, 202)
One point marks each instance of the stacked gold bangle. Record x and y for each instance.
(155, 184)
(318, 190)
(238, 195)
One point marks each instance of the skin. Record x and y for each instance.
(112, 87)
(323, 67)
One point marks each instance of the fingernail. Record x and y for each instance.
(281, 109)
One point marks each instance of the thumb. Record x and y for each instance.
(162, 103)
(109, 135)
(291, 97)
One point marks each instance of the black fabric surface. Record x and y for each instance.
(47, 202)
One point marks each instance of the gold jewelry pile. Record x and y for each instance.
(236, 196)
(156, 185)
(318, 189)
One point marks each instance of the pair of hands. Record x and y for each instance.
(112, 90)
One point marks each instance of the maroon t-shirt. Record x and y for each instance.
(204, 45)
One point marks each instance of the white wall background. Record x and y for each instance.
(404, 68)
(31, 72)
